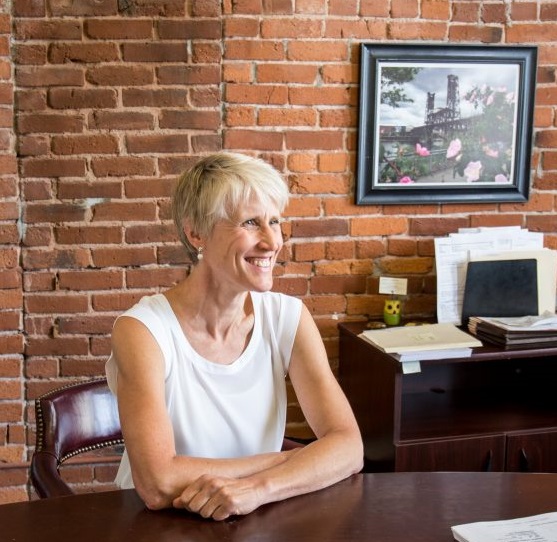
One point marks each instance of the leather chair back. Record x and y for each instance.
(71, 420)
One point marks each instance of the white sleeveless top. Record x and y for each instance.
(222, 411)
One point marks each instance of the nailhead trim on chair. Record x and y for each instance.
(40, 428)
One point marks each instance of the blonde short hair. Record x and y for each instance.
(217, 186)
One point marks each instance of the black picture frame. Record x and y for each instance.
(475, 147)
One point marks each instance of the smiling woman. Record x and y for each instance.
(199, 371)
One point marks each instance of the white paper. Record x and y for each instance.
(393, 286)
(540, 528)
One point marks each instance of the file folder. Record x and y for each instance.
(500, 288)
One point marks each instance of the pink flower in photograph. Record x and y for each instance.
(406, 180)
(472, 171)
(422, 151)
(455, 146)
(500, 178)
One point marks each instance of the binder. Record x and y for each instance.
(500, 288)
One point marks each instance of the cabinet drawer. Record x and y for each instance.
(486, 453)
(532, 451)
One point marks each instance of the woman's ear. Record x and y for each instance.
(193, 237)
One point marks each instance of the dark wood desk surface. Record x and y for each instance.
(385, 507)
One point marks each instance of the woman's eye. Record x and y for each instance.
(251, 222)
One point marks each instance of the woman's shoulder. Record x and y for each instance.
(277, 307)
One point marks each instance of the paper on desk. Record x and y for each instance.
(452, 254)
(540, 528)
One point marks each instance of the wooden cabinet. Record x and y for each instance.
(493, 411)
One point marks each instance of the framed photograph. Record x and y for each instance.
(445, 123)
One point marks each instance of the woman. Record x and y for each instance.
(199, 371)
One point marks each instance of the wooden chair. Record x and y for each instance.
(72, 420)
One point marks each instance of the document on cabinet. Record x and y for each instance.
(420, 338)
(452, 254)
(540, 528)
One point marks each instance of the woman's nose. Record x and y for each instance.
(271, 237)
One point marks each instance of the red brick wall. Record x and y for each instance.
(104, 102)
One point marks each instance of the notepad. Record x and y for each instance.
(420, 338)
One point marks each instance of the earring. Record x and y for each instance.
(199, 253)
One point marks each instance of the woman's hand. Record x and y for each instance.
(218, 497)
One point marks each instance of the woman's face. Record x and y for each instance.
(242, 252)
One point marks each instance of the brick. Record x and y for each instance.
(88, 235)
(188, 75)
(116, 302)
(11, 299)
(157, 233)
(57, 347)
(59, 53)
(122, 166)
(405, 266)
(29, 54)
(154, 52)
(90, 192)
(121, 120)
(123, 256)
(56, 258)
(209, 29)
(82, 325)
(49, 76)
(246, 139)
(473, 32)
(361, 29)
(125, 210)
(254, 50)
(29, 8)
(10, 278)
(135, 97)
(378, 226)
(49, 123)
(65, 98)
(159, 143)
(91, 280)
(118, 75)
(435, 9)
(60, 302)
(524, 11)
(431, 31)
(318, 184)
(241, 27)
(47, 30)
(83, 8)
(106, 29)
(85, 144)
(328, 227)
(54, 212)
(155, 277)
(268, 95)
(338, 285)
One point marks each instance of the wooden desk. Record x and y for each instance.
(493, 411)
(385, 507)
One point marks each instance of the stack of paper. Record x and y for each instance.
(540, 528)
(454, 252)
(417, 343)
(516, 332)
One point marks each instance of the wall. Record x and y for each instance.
(111, 99)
